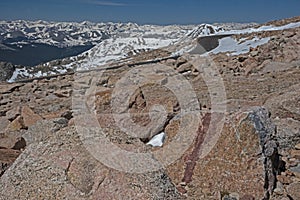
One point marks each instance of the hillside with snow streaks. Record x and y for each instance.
(123, 43)
(114, 49)
(127, 40)
(63, 34)
(236, 47)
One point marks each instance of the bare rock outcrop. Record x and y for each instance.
(7, 70)
(244, 161)
(59, 167)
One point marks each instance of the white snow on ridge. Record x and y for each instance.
(260, 29)
(118, 48)
(114, 49)
(233, 47)
(18, 72)
(205, 30)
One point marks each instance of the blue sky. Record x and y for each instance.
(152, 11)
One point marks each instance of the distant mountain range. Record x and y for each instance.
(86, 45)
(31, 43)
(65, 34)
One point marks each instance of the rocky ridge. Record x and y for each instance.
(254, 156)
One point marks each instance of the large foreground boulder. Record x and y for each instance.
(242, 164)
(59, 167)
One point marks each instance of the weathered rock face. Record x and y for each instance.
(59, 167)
(244, 161)
(7, 70)
(255, 155)
(22, 106)
(285, 112)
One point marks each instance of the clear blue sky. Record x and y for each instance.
(150, 11)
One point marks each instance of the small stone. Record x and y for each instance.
(51, 115)
(297, 147)
(182, 183)
(7, 70)
(13, 113)
(279, 189)
(20, 144)
(292, 162)
(16, 125)
(296, 170)
(228, 197)
(296, 179)
(180, 61)
(247, 197)
(181, 190)
(63, 93)
(284, 198)
(16, 143)
(285, 159)
(289, 173)
(4, 122)
(242, 58)
(288, 34)
(293, 190)
(61, 121)
(170, 62)
(68, 115)
(8, 155)
(295, 154)
(9, 88)
(3, 167)
(297, 174)
(184, 67)
(35, 82)
(284, 153)
(254, 53)
(71, 122)
(29, 117)
(284, 179)
(234, 195)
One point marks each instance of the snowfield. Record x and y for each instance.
(112, 50)
(234, 47)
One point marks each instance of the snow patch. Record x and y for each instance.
(234, 47)
(260, 29)
(157, 140)
(19, 72)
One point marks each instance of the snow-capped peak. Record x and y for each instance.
(204, 30)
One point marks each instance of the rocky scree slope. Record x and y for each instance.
(255, 156)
